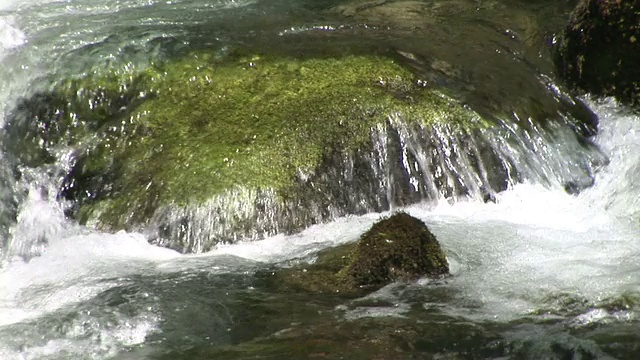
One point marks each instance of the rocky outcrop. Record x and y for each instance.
(599, 50)
(397, 248)
(406, 102)
(247, 146)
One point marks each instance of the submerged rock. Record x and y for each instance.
(368, 338)
(396, 248)
(599, 50)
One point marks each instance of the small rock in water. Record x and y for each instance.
(574, 187)
(396, 248)
(399, 247)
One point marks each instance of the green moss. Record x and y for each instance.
(203, 126)
(255, 125)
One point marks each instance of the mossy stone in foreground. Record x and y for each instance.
(400, 247)
(396, 248)
(207, 127)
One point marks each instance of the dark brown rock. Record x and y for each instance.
(400, 247)
(397, 248)
(599, 50)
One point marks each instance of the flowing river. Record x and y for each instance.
(537, 274)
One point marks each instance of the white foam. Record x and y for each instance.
(10, 35)
(512, 257)
(10, 5)
(72, 270)
(617, 189)
(599, 316)
(281, 248)
(82, 342)
(527, 205)
(397, 311)
(509, 259)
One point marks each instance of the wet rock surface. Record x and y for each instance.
(599, 50)
(397, 248)
(386, 103)
(400, 247)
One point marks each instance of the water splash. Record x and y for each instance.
(10, 36)
(617, 188)
(62, 303)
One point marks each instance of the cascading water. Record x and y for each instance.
(537, 273)
(406, 165)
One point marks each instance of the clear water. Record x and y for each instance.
(538, 274)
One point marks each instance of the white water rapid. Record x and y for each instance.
(525, 255)
(537, 252)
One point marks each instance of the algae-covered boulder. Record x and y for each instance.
(599, 50)
(397, 248)
(390, 103)
(200, 150)
(205, 147)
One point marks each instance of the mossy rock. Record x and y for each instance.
(397, 248)
(400, 247)
(246, 139)
(258, 123)
(290, 130)
(599, 50)
(205, 148)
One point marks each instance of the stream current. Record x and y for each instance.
(538, 274)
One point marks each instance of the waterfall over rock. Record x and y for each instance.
(406, 165)
(188, 179)
(8, 206)
(201, 151)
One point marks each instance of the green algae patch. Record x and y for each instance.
(201, 127)
(398, 248)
